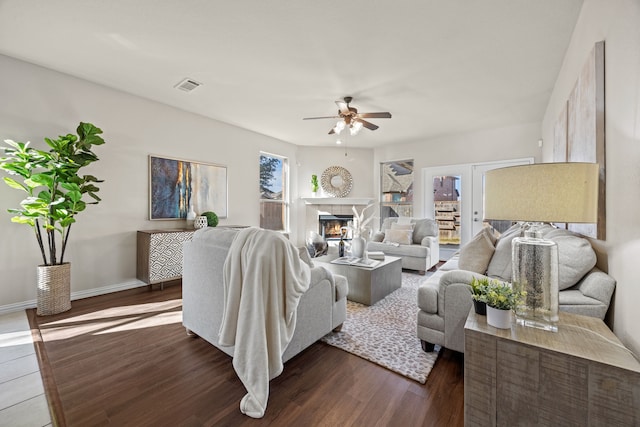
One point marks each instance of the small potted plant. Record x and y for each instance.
(212, 218)
(314, 184)
(479, 294)
(501, 298)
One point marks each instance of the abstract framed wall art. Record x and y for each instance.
(579, 132)
(182, 188)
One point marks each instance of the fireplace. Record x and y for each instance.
(330, 225)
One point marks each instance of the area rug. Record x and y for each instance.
(385, 333)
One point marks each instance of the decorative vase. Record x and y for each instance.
(200, 222)
(54, 289)
(358, 245)
(480, 307)
(191, 215)
(498, 318)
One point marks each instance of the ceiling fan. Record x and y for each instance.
(351, 118)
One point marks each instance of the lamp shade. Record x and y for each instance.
(543, 192)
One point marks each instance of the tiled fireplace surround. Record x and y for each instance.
(330, 206)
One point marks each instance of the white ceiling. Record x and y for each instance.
(439, 66)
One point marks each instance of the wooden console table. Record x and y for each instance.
(582, 375)
(160, 255)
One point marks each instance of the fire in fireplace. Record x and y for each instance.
(330, 225)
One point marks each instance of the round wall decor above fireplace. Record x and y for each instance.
(336, 181)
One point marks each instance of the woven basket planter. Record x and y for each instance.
(54, 289)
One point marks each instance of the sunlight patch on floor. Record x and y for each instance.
(161, 319)
(127, 310)
(116, 319)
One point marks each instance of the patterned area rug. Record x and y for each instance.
(385, 333)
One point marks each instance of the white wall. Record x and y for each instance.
(618, 24)
(37, 102)
(482, 146)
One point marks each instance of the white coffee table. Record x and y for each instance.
(367, 285)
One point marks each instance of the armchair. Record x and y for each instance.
(444, 299)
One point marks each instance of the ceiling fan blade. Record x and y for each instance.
(342, 106)
(332, 131)
(326, 117)
(384, 115)
(367, 124)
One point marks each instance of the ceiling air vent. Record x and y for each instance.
(187, 85)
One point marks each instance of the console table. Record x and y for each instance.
(160, 255)
(581, 375)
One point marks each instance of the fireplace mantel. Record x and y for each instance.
(337, 200)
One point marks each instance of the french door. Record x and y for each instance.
(454, 196)
(478, 172)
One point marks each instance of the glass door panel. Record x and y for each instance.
(447, 207)
(478, 194)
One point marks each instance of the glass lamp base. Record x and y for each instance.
(539, 324)
(535, 277)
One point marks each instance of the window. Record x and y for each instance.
(274, 206)
(396, 189)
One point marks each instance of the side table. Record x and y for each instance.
(581, 375)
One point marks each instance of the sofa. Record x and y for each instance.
(444, 299)
(322, 308)
(414, 240)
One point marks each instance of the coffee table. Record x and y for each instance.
(367, 285)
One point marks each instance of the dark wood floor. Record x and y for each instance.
(124, 359)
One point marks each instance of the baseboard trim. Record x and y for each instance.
(25, 305)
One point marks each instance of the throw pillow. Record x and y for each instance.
(398, 226)
(490, 235)
(576, 257)
(500, 264)
(475, 255)
(402, 237)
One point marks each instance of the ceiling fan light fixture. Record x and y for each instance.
(355, 128)
(351, 118)
(338, 142)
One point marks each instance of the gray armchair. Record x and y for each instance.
(419, 249)
(444, 299)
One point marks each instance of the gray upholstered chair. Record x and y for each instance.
(417, 245)
(444, 299)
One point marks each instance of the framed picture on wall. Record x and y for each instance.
(182, 188)
(579, 132)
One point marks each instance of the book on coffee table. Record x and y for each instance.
(357, 262)
(379, 255)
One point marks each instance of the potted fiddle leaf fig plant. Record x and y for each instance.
(55, 194)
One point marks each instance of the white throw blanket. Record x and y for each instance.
(263, 281)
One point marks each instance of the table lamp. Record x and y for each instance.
(536, 194)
